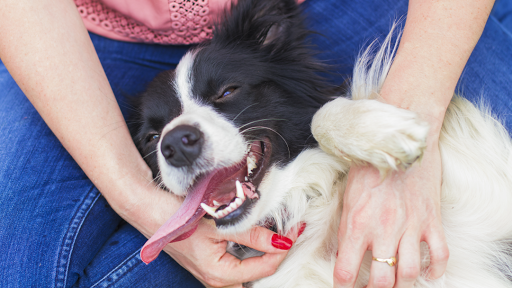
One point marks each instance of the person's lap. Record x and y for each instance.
(57, 230)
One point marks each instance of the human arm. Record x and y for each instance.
(391, 217)
(48, 52)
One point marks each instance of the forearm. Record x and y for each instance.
(437, 41)
(50, 55)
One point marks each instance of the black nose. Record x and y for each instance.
(182, 145)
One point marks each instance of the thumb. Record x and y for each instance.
(262, 239)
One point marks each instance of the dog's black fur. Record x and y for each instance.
(269, 65)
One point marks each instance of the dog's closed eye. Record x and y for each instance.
(227, 92)
(152, 137)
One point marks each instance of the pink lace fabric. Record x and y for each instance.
(154, 21)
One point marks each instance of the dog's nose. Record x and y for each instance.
(182, 145)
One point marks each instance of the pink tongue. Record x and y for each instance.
(181, 225)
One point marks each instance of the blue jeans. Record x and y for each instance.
(56, 230)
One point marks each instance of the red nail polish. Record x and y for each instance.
(336, 254)
(302, 227)
(281, 242)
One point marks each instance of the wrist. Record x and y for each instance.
(145, 206)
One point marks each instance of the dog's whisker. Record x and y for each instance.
(244, 110)
(150, 153)
(255, 121)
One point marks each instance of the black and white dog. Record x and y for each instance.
(230, 129)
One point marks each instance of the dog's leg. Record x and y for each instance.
(369, 131)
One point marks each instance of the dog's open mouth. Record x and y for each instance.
(224, 194)
(237, 193)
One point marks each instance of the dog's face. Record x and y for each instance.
(234, 110)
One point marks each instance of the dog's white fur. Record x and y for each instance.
(476, 192)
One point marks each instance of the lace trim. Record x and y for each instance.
(190, 22)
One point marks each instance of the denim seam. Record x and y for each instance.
(126, 266)
(69, 239)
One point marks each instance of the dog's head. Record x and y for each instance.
(235, 109)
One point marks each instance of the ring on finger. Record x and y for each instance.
(391, 261)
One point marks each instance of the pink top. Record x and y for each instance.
(152, 21)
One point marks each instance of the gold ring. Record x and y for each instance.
(391, 261)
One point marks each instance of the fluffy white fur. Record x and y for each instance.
(476, 196)
(476, 191)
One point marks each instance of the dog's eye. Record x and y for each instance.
(227, 92)
(152, 137)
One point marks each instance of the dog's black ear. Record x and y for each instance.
(267, 24)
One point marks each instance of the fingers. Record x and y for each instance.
(439, 253)
(349, 260)
(409, 266)
(228, 271)
(382, 275)
(275, 246)
(263, 240)
(253, 268)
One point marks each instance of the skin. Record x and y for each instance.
(391, 217)
(53, 61)
(51, 57)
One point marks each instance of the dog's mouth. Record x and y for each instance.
(230, 202)
(225, 194)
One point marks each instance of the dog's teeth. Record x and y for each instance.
(246, 179)
(251, 164)
(238, 201)
(239, 190)
(208, 209)
(229, 209)
(233, 204)
(217, 204)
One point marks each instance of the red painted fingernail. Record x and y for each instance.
(302, 227)
(281, 242)
(336, 254)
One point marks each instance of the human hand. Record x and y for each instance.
(391, 217)
(204, 254)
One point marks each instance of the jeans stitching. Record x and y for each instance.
(124, 267)
(69, 239)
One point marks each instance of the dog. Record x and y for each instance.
(230, 130)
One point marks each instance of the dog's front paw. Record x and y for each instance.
(369, 131)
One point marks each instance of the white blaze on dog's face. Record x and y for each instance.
(222, 145)
(236, 109)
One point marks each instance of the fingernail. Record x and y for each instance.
(281, 242)
(302, 227)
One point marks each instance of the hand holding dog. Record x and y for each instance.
(204, 255)
(390, 218)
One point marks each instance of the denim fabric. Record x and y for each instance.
(349, 26)
(56, 230)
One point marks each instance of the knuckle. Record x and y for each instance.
(254, 236)
(383, 282)
(441, 255)
(344, 277)
(410, 272)
(270, 271)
